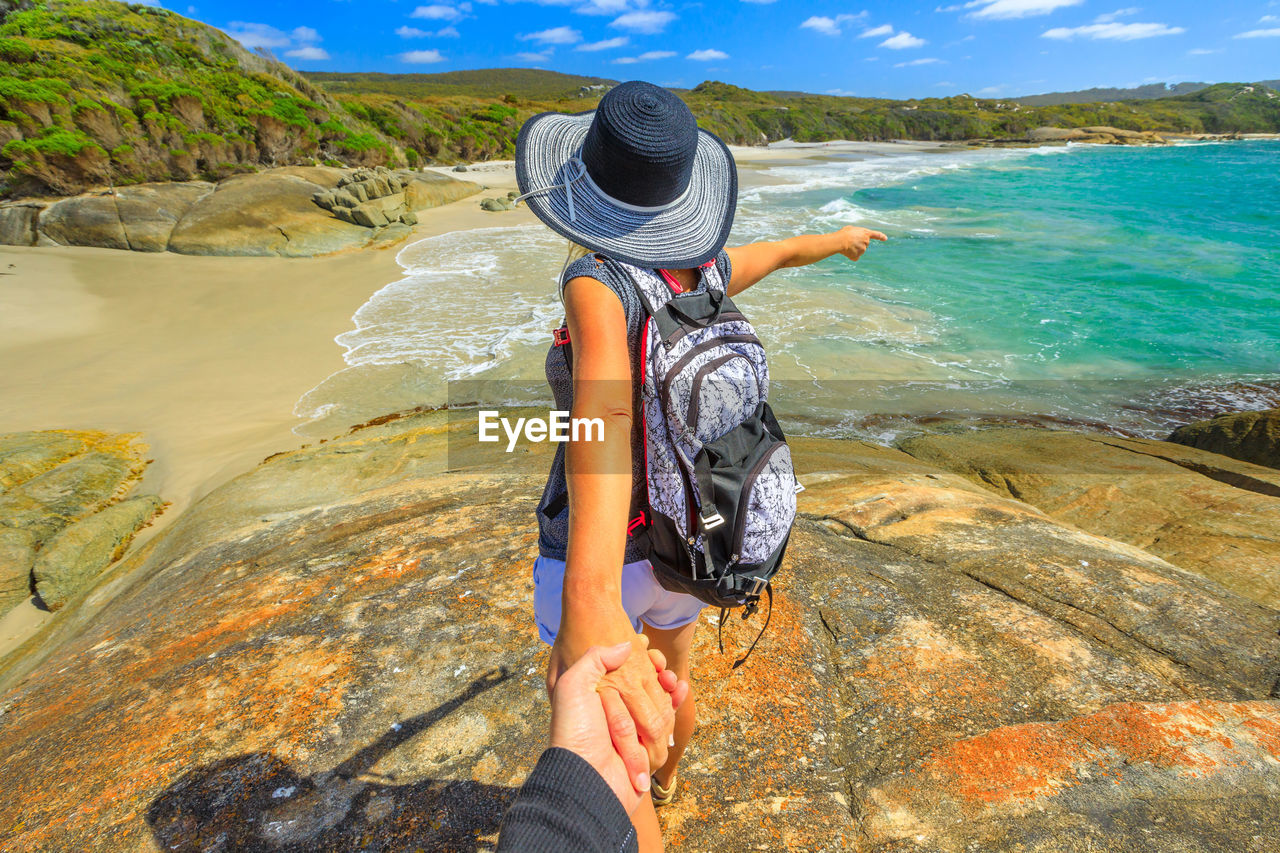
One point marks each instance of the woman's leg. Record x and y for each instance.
(675, 644)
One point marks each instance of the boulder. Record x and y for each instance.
(495, 204)
(1248, 436)
(138, 217)
(409, 217)
(71, 560)
(18, 224)
(263, 214)
(84, 220)
(48, 480)
(336, 651)
(1056, 134)
(460, 168)
(148, 212)
(17, 556)
(1203, 512)
(23, 455)
(1114, 131)
(430, 189)
(70, 491)
(369, 214)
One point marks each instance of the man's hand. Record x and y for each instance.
(590, 719)
(854, 240)
(635, 681)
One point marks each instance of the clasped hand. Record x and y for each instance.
(591, 717)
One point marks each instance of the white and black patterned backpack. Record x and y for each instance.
(721, 487)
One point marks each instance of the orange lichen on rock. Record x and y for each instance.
(1018, 763)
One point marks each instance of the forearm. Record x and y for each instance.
(598, 474)
(804, 249)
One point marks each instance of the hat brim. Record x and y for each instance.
(688, 233)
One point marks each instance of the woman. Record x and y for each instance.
(634, 181)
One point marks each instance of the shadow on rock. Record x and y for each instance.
(258, 801)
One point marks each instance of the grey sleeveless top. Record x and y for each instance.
(553, 508)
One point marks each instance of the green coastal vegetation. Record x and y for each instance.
(99, 92)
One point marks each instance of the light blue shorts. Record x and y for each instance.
(643, 598)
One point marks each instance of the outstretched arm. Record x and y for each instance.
(755, 261)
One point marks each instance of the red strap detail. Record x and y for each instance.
(560, 336)
(710, 263)
(671, 281)
(638, 521)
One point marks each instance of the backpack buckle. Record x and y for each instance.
(560, 336)
(712, 522)
(757, 585)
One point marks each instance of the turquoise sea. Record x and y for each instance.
(1122, 288)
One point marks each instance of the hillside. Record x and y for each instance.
(1093, 96)
(99, 92)
(528, 83)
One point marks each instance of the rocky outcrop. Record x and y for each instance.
(1248, 436)
(1100, 134)
(273, 212)
(81, 552)
(1200, 511)
(378, 197)
(54, 484)
(336, 650)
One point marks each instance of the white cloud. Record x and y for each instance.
(602, 7)
(308, 52)
(449, 33)
(830, 26)
(991, 91)
(422, 57)
(257, 35)
(1118, 13)
(1268, 19)
(1005, 9)
(644, 21)
(882, 30)
(902, 41)
(540, 56)
(945, 84)
(555, 35)
(1201, 51)
(441, 12)
(707, 55)
(1113, 32)
(648, 56)
(607, 44)
(412, 33)
(1259, 34)
(926, 61)
(299, 43)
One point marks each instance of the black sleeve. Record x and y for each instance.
(565, 807)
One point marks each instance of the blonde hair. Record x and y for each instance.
(575, 252)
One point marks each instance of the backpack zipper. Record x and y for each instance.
(698, 350)
(698, 378)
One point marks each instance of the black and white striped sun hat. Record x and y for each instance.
(634, 179)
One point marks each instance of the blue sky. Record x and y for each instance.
(899, 49)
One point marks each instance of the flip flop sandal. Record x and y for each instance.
(662, 796)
